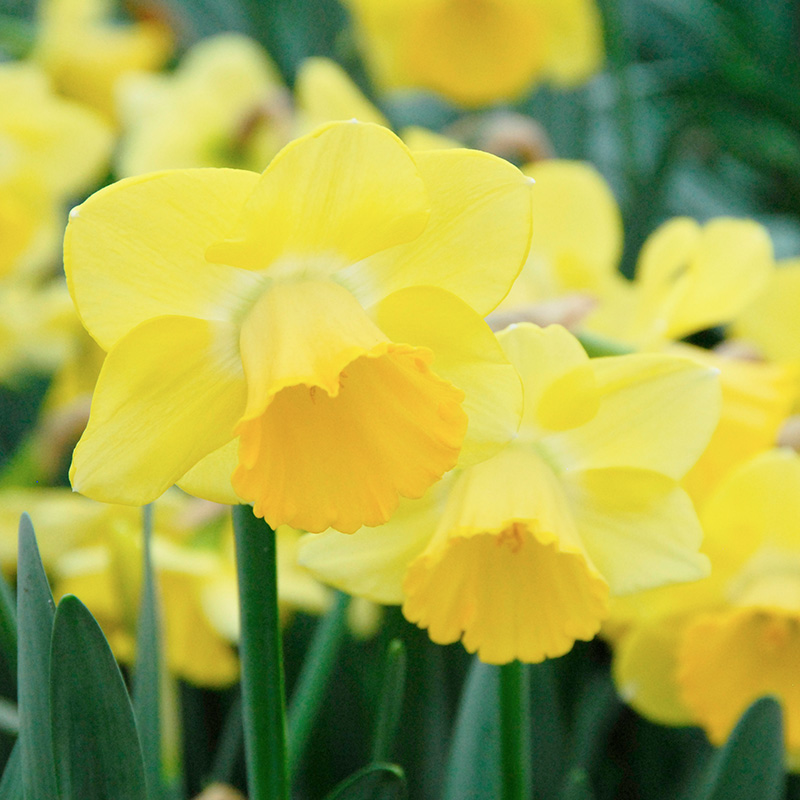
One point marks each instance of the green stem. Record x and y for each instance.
(515, 735)
(314, 676)
(394, 684)
(263, 697)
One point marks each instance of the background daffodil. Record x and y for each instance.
(309, 340)
(516, 556)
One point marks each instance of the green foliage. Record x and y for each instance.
(375, 782)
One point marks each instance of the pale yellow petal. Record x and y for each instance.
(372, 562)
(327, 200)
(645, 670)
(210, 477)
(575, 41)
(136, 250)
(656, 413)
(639, 528)
(467, 354)
(476, 240)
(169, 393)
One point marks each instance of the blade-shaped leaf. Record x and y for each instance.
(391, 702)
(751, 764)
(35, 610)
(11, 782)
(375, 782)
(473, 767)
(95, 742)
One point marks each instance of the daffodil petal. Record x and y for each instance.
(559, 386)
(656, 412)
(136, 250)
(645, 670)
(372, 562)
(210, 477)
(728, 659)
(467, 354)
(324, 92)
(639, 528)
(480, 215)
(327, 200)
(169, 393)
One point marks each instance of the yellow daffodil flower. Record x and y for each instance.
(700, 654)
(689, 277)
(516, 556)
(308, 340)
(225, 106)
(479, 51)
(85, 52)
(51, 149)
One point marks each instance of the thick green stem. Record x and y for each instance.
(515, 731)
(314, 676)
(263, 696)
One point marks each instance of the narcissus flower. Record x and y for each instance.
(225, 106)
(85, 51)
(516, 556)
(689, 277)
(700, 654)
(479, 51)
(309, 340)
(50, 150)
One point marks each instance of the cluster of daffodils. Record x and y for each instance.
(381, 343)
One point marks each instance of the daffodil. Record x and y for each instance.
(689, 277)
(224, 106)
(479, 51)
(700, 654)
(517, 556)
(51, 149)
(308, 340)
(85, 51)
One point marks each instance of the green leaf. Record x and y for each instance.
(391, 703)
(750, 765)
(473, 767)
(147, 673)
(375, 782)
(95, 743)
(11, 783)
(549, 732)
(35, 611)
(8, 628)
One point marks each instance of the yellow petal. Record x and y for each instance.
(728, 660)
(645, 670)
(575, 49)
(418, 138)
(210, 477)
(771, 321)
(757, 397)
(656, 413)
(639, 528)
(693, 278)
(329, 199)
(506, 595)
(559, 392)
(467, 354)
(480, 214)
(169, 393)
(577, 237)
(136, 250)
(372, 562)
(324, 92)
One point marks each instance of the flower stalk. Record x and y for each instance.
(515, 731)
(263, 694)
